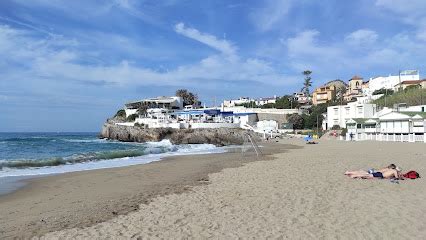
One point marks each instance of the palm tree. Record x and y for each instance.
(142, 109)
(308, 82)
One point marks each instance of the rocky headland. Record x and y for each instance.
(217, 136)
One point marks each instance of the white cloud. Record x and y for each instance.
(53, 60)
(306, 44)
(412, 13)
(223, 46)
(411, 7)
(358, 51)
(271, 14)
(362, 37)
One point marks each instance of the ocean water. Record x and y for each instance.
(28, 154)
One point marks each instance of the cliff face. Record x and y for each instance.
(218, 137)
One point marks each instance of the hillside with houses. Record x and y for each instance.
(384, 108)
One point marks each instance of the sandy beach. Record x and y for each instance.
(296, 194)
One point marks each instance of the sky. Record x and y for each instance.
(69, 65)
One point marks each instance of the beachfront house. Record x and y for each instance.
(340, 114)
(362, 129)
(162, 103)
(391, 126)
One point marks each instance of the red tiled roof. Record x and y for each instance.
(356, 77)
(413, 81)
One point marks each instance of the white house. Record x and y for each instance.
(391, 126)
(236, 102)
(165, 103)
(390, 81)
(362, 129)
(266, 100)
(338, 115)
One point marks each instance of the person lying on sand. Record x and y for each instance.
(371, 171)
(387, 173)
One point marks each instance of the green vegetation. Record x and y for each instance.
(297, 121)
(315, 118)
(307, 83)
(386, 92)
(410, 96)
(131, 118)
(188, 97)
(344, 131)
(140, 125)
(120, 113)
(284, 102)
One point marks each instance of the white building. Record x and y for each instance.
(338, 115)
(301, 98)
(392, 126)
(162, 103)
(390, 81)
(236, 102)
(266, 100)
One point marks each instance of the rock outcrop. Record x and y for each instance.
(217, 136)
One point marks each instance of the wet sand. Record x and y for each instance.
(82, 199)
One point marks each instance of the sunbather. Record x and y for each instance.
(371, 171)
(389, 174)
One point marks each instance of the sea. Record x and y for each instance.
(37, 154)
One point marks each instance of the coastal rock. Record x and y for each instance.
(217, 136)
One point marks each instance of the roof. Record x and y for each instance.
(413, 81)
(161, 99)
(412, 114)
(356, 77)
(267, 98)
(363, 120)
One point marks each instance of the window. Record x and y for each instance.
(336, 111)
(347, 111)
(360, 110)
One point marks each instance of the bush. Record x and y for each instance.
(297, 121)
(383, 91)
(410, 96)
(140, 125)
(132, 118)
(344, 131)
(120, 113)
(335, 127)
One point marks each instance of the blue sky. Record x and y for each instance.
(68, 65)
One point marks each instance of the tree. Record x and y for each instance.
(384, 91)
(308, 82)
(315, 118)
(120, 113)
(132, 117)
(142, 109)
(297, 121)
(188, 97)
(286, 102)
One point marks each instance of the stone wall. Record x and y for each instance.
(279, 118)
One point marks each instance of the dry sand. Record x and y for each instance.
(301, 194)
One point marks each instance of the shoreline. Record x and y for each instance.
(10, 184)
(81, 199)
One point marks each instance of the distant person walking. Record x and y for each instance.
(351, 136)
